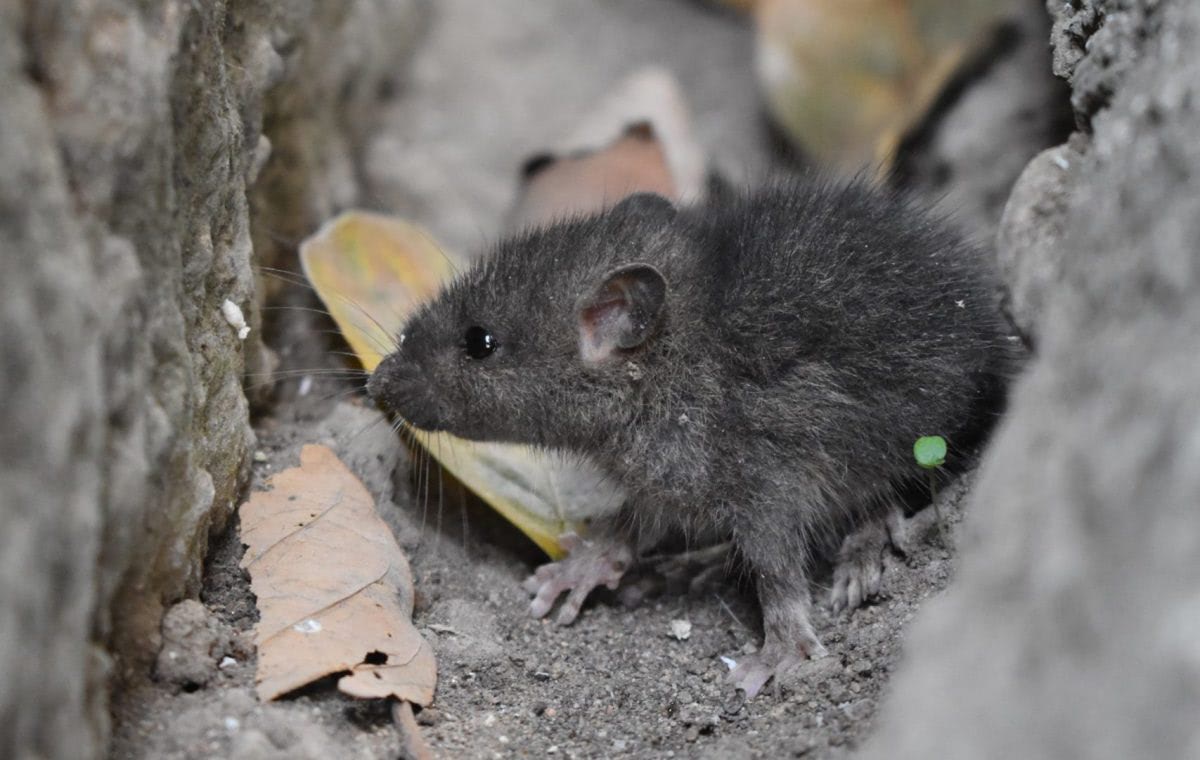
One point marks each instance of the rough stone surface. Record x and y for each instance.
(1029, 243)
(195, 642)
(1009, 106)
(129, 135)
(1096, 43)
(1073, 627)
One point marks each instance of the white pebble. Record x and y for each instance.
(681, 629)
(226, 663)
(729, 662)
(235, 318)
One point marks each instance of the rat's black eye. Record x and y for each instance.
(479, 343)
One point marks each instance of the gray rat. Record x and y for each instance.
(757, 368)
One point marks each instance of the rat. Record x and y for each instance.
(755, 368)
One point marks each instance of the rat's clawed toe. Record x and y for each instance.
(856, 581)
(789, 640)
(774, 660)
(858, 572)
(589, 564)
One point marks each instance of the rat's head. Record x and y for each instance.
(533, 344)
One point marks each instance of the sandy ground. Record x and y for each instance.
(617, 683)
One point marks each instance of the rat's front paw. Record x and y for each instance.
(772, 661)
(588, 564)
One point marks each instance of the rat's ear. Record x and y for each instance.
(621, 312)
(651, 207)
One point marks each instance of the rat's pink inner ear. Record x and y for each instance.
(621, 313)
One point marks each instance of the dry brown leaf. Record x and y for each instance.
(334, 590)
(586, 182)
(637, 139)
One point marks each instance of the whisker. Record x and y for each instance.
(367, 427)
(308, 309)
(438, 536)
(449, 262)
(421, 472)
(279, 237)
(462, 509)
(347, 354)
(368, 315)
(297, 279)
(283, 374)
(381, 349)
(361, 388)
(286, 275)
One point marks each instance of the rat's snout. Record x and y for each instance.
(400, 385)
(380, 384)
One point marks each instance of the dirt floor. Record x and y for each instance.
(618, 683)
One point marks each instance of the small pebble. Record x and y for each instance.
(861, 667)
(858, 710)
(226, 663)
(734, 704)
(681, 630)
(429, 716)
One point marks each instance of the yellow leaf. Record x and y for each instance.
(372, 271)
(848, 80)
(334, 591)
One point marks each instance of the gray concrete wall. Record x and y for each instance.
(1074, 627)
(131, 137)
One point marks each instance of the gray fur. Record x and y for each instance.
(811, 332)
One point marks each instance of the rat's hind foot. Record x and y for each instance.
(858, 570)
(789, 640)
(589, 563)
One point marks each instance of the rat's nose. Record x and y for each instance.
(387, 381)
(399, 386)
(377, 383)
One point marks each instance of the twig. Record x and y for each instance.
(414, 746)
(937, 510)
(736, 619)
